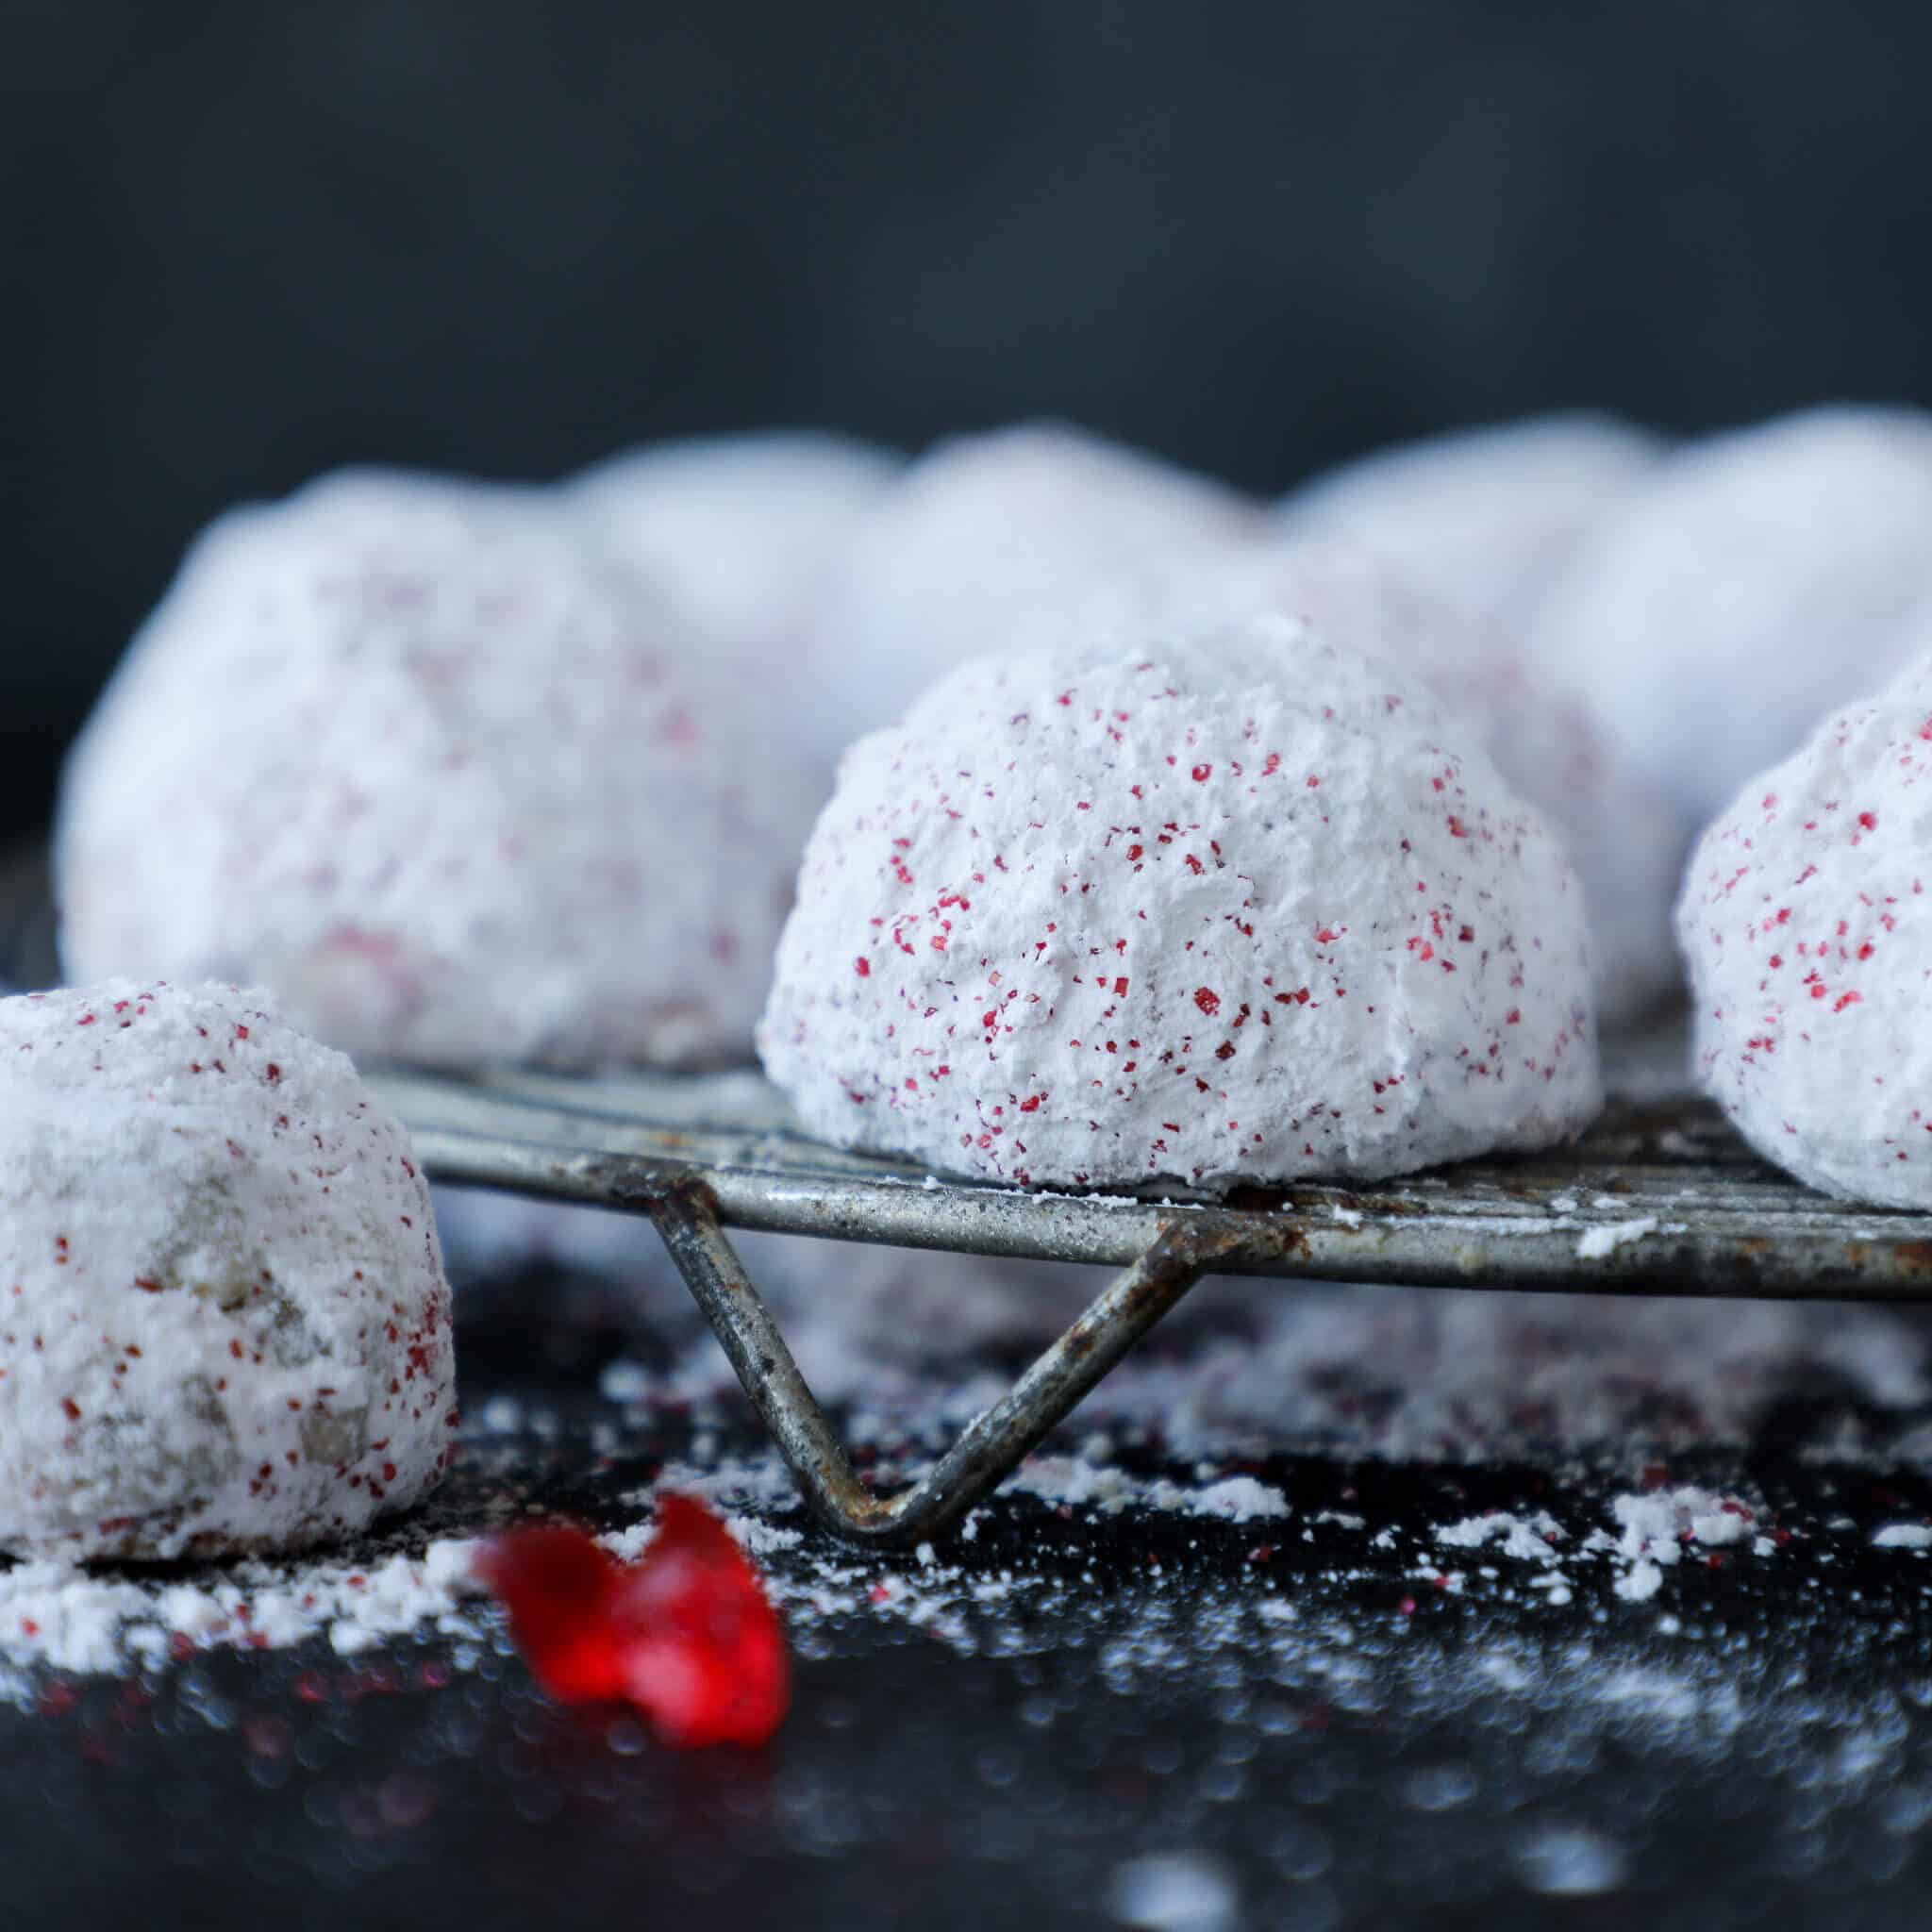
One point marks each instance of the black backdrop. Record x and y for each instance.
(242, 242)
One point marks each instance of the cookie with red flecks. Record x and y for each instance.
(1805, 923)
(1209, 912)
(1623, 837)
(450, 779)
(224, 1324)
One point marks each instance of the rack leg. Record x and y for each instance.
(989, 1449)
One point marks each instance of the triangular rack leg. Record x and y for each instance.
(990, 1448)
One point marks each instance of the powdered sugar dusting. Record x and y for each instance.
(225, 1323)
(1803, 918)
(447, 776)
(1600, 1241)
(1208, 911)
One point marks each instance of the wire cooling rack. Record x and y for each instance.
(1660, 1197)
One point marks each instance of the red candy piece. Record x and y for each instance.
(557, 1582)
(687, 1633)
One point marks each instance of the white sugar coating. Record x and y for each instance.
(224, 1323)
(1806, 924)
(1758, 580)
(739, 530)
(989, 541)
(1486, 518)
(429, 764)
(1622, 836)
(1210, 910)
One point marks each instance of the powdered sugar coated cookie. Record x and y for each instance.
(737, 530)
(1807, 925)
(223, 1324)
(451, 781)
(1622, 836)
(991, 543)
(1212, 910)
(1758, 580)
(1483, 519)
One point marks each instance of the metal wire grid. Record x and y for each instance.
(1660, 1197)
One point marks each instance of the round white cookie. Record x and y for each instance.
(739, 530)
(224, 1324)
(1622, 834)
(991, 543)
(1807, 925)
(1484, 519)
(431, 765)
(1758, 580)
(1211, 911)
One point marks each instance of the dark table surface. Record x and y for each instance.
(1104, 1711)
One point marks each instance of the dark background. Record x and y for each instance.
(244, 243)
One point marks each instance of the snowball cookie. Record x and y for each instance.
(1623, 837)
(1212, 910)
(443, 775)
(1484, 518)
(1758, 580)
(1807, 926)
(989, 542)
(226, 1325)
(739, 530)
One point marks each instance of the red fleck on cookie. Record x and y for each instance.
(1623, 837)
(454, 782)
(224, 1323)
(1090, 965)
(1807, 925)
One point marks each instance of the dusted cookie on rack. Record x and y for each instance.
(1208, 911)
(225, 1325)
(1755, 581)
(1622, 836)
(1807, 925)
(453, 781)
(1483, 519)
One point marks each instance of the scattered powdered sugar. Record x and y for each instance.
(1655, 1527)
(1527, 1538)
(1071, 1480)
(1903, 1535)
(82, 1620)
(1601, 1241)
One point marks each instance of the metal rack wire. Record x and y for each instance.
(1659, 1197)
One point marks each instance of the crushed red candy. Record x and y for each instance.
(687, 1633)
